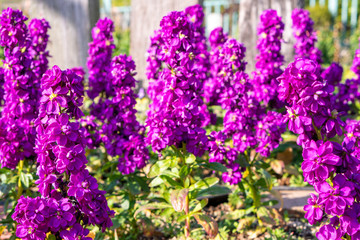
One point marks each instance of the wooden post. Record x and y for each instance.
(71, 22)
(249, 17)
(145, 18)
(249, 14)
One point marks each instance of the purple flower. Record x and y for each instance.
(60, 146)
(28, 231)
(328, 232)
(305, 36)
(234, 175)
(20, 77)
(337, 197)
(80, 184)
(314, 211)
(100, 53)
(333, 74)
(122, 133)
(349, 222)
(356, 63)
(77, 232)
(298, 121)
(269, 59)
(54, 99)
(319, 161)
(176, 118)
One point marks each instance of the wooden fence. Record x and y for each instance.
(349, 10)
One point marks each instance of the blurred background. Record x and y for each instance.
(336, 22)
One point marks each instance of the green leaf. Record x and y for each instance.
(210, 225)
(142, 182)
(187, 182)
(184, 172)
(108, 165)
(167, 212)
(178, 199)
(204, 183)
(51, 237)
(154, 171)
(216, 166)
(156, 182)
(25, 179)
(125, 204)
(242, 162)
(134, 188)
(181, 218)
(5, 189)
(153, 205)
(213, 191)
(170, 174)
(190, 158)
(264, 215)
(170, 181)
(267, 177)
(200, 205)
(270, 203)
(159, 167)
(239, 213)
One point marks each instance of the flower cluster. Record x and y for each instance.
(2, 86)
(195, 15)
(245, 121)
(346, 96)
(98, 63)
(269, 59)
(154, 64)
(221, 153)
(356, 63)
(60, 149)
(213, 85)
(99, 60)
(25, 61)
(154, 68)
(349, 92)
(313, 116)
(332, 74)
(305, 36)
(123, 136)
(112, 120)
(352, 135)
(38, 216)
(38, 30)
(175, 118)
(268, 132)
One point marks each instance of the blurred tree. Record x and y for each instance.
(321, 16)
(121, 3)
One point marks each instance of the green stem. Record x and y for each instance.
(241, 186)
(253, 191)
(186, 209)
(318, 132)
(187, 220)
(20, 187)
(178, 153)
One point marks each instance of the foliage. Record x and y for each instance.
(122, 42)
